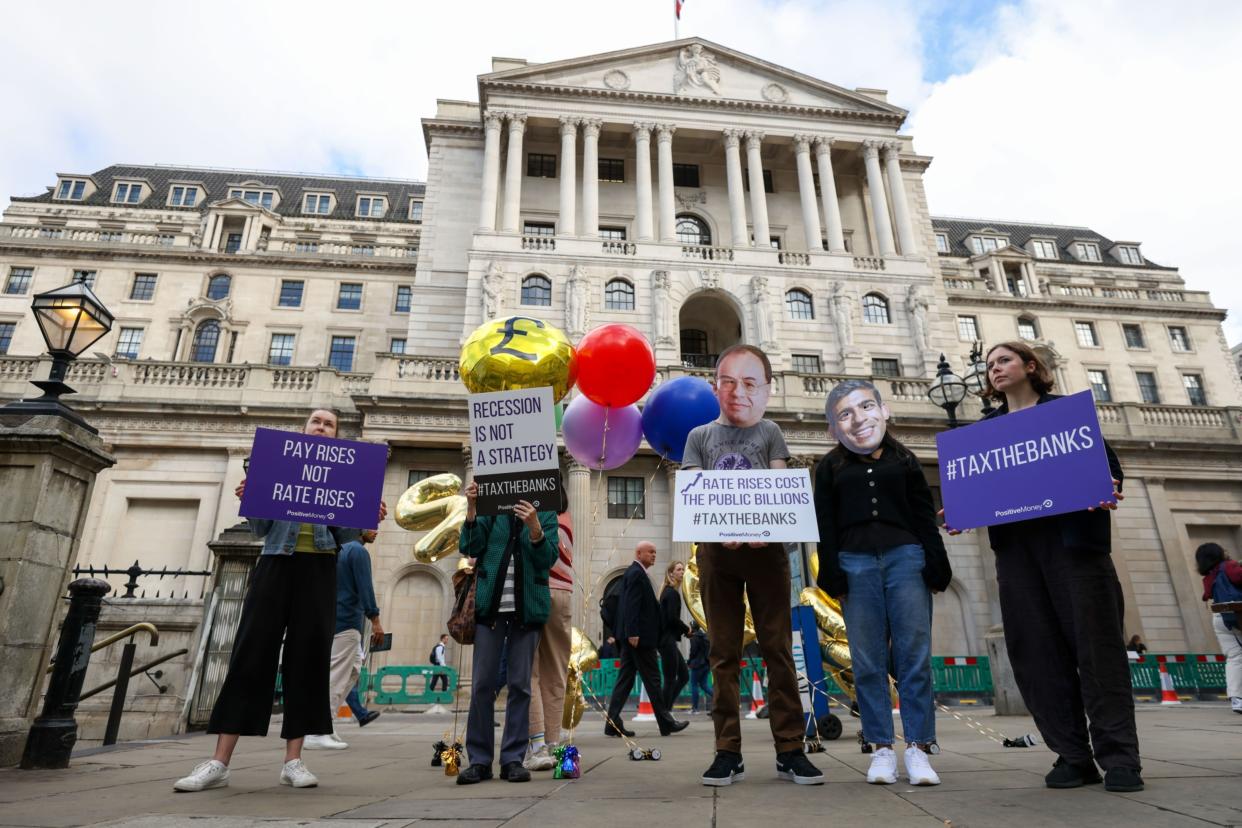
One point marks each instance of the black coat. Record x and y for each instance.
(671, 626)
(639, 614)
(700, 648)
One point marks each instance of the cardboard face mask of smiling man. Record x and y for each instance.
(857, 416)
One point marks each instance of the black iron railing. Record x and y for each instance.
(137, 571)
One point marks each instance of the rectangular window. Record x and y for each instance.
(768, 185)
(1134, 335)
(371, 206)
(6, 335)
(291, 293)
(129, 343)
(1194, 389)
(232, 244)
(396, 345)
(1044, 249)
(260, 198)
(1099, 386)
(111, 235)
(341, 354)
(127, 193)
(280, 352)
(184, 196)
(419, 475)
(350, 296)
(1026, 329)
(625, 498)
(986, 244)
(306, 247)
(86, 277)
(143, 287)
(885, 368)
(807, 363)
(317, 203)
(685, 175)
(540, 165)
(1179, 338)
(612, 169)
(404, 292)
(612, 233)
(538, 228)
(967, 328)
(71, 189)
(416, 211)
(1129, 255)
(942, 243)
(1016, 285)
(1085, 331)
(1148, 392)
(1087, 251)
(19, 280)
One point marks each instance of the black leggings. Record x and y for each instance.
(676, 674)
(290, 597)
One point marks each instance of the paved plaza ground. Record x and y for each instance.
(1192, 757)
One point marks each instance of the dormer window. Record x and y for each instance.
(942, 243)
(259, 198)
(127, 193)
(985, 244)
(1087, 251)
(1128, 254)
(416, 210)
(183, 196)
(1044, 249)
(319, 204)
(71, 189)
(371, 206)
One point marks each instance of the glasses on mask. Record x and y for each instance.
(749, 386)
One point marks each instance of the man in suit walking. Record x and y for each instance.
(638, 635)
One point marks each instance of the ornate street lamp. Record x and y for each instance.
(977, 376)
(71, 319)
(947, 390)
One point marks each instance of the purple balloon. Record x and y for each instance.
(601, 438)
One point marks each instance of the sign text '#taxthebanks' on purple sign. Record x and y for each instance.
(1045, 460)
(309, 479)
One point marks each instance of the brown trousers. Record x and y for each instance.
(726, 576)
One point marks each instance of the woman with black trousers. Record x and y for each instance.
(672, 629)
(1061, 604)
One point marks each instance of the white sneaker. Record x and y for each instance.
(211, 774)
(327, 742)
(1236, 704)
(540, 760)
(295, 773)
(883, 770)
(918, 769)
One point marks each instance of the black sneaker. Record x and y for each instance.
(1123, 780)
(514, 772)
(1066, 775)
(794, 766)
(725, 770)
(674, 727)
(474, 775)
(371, 716)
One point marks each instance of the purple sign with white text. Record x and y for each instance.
(1045, 460)
(309, 479)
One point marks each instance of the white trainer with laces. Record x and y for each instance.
(883, 770)
(540, 760)
(295, 773)
(325, 742)
(211, 774)
(918, 768)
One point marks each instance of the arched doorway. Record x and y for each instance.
(709, 323)
(415, 616)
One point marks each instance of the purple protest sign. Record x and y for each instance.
(309, 479)
(1045, 460)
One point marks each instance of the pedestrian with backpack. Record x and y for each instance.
(438, 660)
(1222, 583)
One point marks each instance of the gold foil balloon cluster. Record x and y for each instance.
(518, 352)
(583, 658)
(435, 503)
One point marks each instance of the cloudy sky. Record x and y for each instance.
(1114, 114)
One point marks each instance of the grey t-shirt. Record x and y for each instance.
(717, 446)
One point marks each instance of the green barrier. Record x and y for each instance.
(381, 685)
(1193, 674)
(962, 674)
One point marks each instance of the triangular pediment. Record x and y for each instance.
(692, 69)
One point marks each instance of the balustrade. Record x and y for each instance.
(788, 257)
(869, 262)
(707, 254)
(538, 243)
(191, 375)
(619, 248)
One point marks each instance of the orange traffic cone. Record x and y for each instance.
(1167, 694)
(756, 696)
(645, 711)
(343, 712)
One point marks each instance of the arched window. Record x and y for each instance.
(875, 309)
(206, 338)
(1027, 328)
(537, 290)
(218, 286)
(799, 303)
(693, 230)
(618, 295)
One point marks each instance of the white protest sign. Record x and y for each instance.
(770, 505)
(513, 444)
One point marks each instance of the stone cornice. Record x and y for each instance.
(1177, 310)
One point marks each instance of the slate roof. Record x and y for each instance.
(1019, 233)
(217, 182)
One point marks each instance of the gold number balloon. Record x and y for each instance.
(693, 597)
(518, 352)
(583, 658)
(434, 503)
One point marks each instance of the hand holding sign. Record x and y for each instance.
(1110, 505)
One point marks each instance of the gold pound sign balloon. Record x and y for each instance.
(518, 352)
(434, 503)
(583, 658)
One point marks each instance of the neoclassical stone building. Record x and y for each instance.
(704, 196)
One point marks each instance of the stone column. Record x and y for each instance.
(642, 181)
(758, 197)
(578, 484)
(668, 215)
(513, 174)
(828, 195)
(48, 466)
(879, 204)
(737, 196)
(590, 178)
(897, 188)
(569, 164)
(491, 170)
(806, 192)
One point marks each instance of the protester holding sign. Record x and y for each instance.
(1061, 604)
(731, 571)
(881, 553)
(291, 598)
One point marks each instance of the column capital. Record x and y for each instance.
(517, 121)
(753, 138)
(891, 150)
(591, 127)
(802, 144)
(871, 148)
(823, 143)
(732, 137)
(569, 125)
(493, 119)
(664, 132)
(573, 467)
(643, 130)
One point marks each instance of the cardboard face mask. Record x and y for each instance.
(857, 418)
(742, 389)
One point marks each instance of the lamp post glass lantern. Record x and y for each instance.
(977, 376)
(947, 390)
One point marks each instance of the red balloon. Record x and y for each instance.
(616, 365)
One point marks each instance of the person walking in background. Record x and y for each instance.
(550, 672)
(1136, 645)
(1222, 582)
(363, 716)
(672, 630)
(439, 659)
(699, 667)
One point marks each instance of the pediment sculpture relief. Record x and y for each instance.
(696, 68)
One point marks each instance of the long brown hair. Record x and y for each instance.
(1041, 378)
(668, 571)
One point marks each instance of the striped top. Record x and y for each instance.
(562, 574)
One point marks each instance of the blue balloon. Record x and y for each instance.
(673, 409)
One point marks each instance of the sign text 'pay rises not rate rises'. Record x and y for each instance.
(513, 446)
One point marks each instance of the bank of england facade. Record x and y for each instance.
(704, 196)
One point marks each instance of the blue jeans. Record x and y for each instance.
(889, 605)
(355, 704)
(698, 681)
